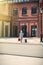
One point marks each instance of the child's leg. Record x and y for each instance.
(21, 40)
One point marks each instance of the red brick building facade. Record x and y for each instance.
(26, 16)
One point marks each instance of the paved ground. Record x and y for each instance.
(15, 40)
(12, 59)
(18, 60)
(34, 50)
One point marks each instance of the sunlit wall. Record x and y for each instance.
(4, 17)
(4, 9)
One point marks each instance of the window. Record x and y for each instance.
(16, 1)
(24, 0)
(33, 0)
(24, 11)
(15, 12)
(34, 10)
(20, 0)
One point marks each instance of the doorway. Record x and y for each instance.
(33, 30)
(24, 29)
(15, 31)
(6, 31)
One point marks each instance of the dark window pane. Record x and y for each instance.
(33, 0)
(24, 11)
(15, 12)
(34, 10)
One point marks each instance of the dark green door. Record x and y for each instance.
(15, 31)
(33, 31)
(24, 29)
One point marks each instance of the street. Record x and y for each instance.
(19, 60)
(20, 53)
(24, 49)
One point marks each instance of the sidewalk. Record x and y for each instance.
(15, 40)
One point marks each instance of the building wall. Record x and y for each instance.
(21, 5)
(0, 28)
(20, 20)
(4, 9)
(28, 19)
(4, 17)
